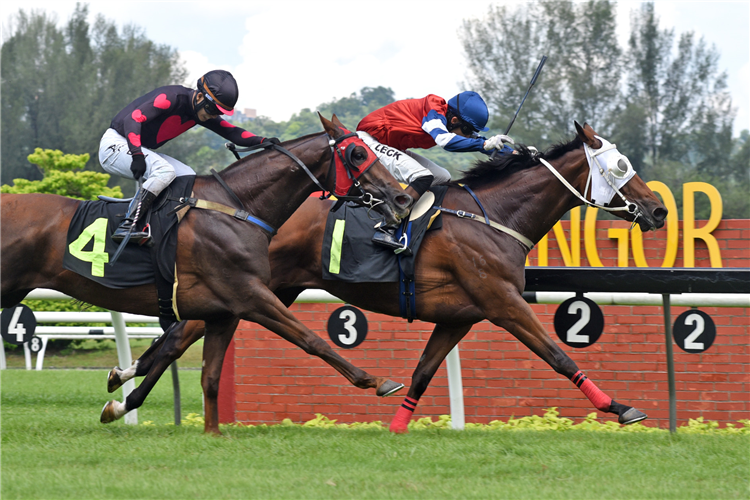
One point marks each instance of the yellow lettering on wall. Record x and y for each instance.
(571, 255)
(542, 252)
(589, 237)
(621, 233)
(690, 233)
(672, 228)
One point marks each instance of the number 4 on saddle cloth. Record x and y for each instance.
(350, 255)
(89, 246)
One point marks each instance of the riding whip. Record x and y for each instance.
(533, 81)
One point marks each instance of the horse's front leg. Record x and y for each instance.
(519, 319)
(269, 312)
(185, 334)
(170, 346)
(443, 339)
(217, 338)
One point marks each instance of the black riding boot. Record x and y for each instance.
(137, 210)
(386, 237)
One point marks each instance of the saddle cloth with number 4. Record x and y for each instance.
(90, 247)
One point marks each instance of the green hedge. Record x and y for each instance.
(551, 421)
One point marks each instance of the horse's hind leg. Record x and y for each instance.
(185, 334)
(443, 339)
(519, 319)
(171, 348)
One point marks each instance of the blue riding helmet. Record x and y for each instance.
(471, 108)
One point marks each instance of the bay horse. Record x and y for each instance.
(222, 262)
(465, 272)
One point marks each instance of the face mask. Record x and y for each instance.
(610, 171)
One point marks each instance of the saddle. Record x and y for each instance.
(90, 248)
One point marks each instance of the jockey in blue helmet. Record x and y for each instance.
(423, 123)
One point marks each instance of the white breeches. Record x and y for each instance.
(161, 169)
(405, 166)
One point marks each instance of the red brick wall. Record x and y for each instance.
(501, 378)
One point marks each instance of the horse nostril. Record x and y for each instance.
(660, 213)
(403, 200)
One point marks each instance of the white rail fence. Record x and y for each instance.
(121, 332)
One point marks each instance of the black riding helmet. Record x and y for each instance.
(220, 92)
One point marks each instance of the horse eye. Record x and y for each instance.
(622, 165)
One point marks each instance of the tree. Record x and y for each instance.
(664, 103)
(685, 109)
(580, 79)
(59, 178)
(61, 86)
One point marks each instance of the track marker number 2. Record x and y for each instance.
(700, 324)
(573, 331)
(694, 331)
(579, 322)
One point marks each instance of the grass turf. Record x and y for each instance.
(98, 354)
(54, 447)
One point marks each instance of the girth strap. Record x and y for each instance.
(523, 240)
(219, 207)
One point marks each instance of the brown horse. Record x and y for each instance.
(465, 272)
(222, 262)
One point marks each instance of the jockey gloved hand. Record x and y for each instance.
(138, 166)
(274, 140)
(497, 141)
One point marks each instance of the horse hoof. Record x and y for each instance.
(388, 388)
(631, 416)
(113, 380)
(108, 413)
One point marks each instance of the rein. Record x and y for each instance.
(350, 140)
(344, 157)
(615, 169)
(233, 148)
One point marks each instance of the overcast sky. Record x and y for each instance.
(408, 45)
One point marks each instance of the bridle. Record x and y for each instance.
(342, 165)
(618, 172)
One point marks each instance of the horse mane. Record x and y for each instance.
(502, 166)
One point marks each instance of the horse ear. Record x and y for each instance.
(329, 127)
(579, 129)
(337, 122)
(587, 135)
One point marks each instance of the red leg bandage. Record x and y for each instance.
(595, 395)
(400, 424)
